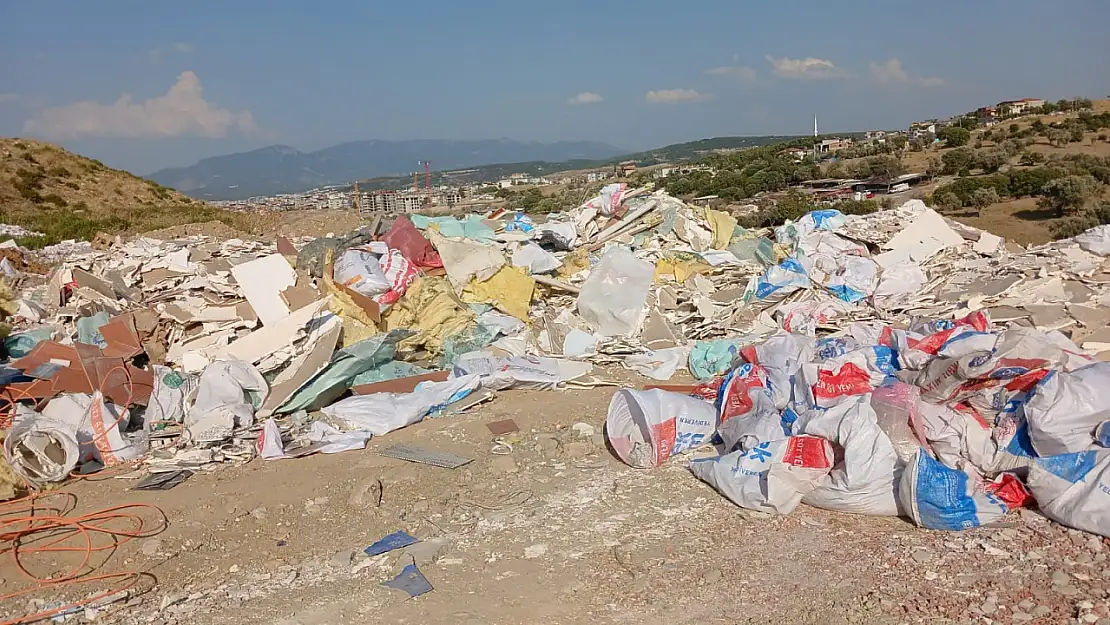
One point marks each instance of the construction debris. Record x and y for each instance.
(854, 362)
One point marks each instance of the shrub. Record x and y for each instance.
(55, 199)
(858, 207)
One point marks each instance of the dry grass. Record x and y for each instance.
(1019, 221)
(65, 196)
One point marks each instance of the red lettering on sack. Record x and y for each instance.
(737, 401)
(850, 379)
(664, 435)
(810, 452)
(1008, 488)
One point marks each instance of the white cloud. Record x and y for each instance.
(156, 54)
(808, 67)
(181, 111)
(586, 97)
(888, 72)
(737, 71)
(892, 73)
(668, 96)
(7, 98)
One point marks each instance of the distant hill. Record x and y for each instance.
(282, 169)
(62, 195)
(677, 153)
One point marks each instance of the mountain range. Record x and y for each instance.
(283, 169)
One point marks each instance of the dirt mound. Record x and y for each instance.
(62, 195)
(214, 229)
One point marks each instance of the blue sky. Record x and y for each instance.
(206, 78)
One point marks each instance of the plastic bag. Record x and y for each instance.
(1064, 409)
(856, 278)
(404, 237)
(41, 449)
(535, 259)
(710, 358)
(865, 481)
(647, 427)
(521, 372)
(659, 364)
(359, 270)
(609, 200)
(612, 299)
(771, 477)
(941, 498)
(901, 279)
(898, 412)
(228, 393)
(1074, 489)
(382, 413)
(167, 400)
(781, 280)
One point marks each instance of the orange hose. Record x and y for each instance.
(25, 531)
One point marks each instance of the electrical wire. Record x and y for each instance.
(28, 529)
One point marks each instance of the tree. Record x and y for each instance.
(991, 161)
(954, 136)
(899, 142)
(1057, 137)
(1014, 128)
(983, 198)
(934, 167)
(1067, 195)
(957, 160)
(948, 201)
(886, 168)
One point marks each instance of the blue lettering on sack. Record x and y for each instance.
(687, 440)
(885, 360)
(942, 501)
(1070, 467)
(788, 419)
(1005, 373)
(760, 452)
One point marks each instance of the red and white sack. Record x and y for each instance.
(865, 480)
(772, 476)
(100, 428)
(269, 443)
(399, 273)
(856, 373)
(647, 427)
(359, 270)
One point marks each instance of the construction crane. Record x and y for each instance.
(427, 182)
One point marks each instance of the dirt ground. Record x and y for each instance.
(314, 223)
(559, 531)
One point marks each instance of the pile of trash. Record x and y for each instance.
(177, 355)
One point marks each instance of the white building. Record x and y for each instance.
(338, 201)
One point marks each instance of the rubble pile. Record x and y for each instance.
(851, 362)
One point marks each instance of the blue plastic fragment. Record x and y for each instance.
(410, 580)
(396, 540)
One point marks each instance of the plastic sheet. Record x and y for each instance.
(612, 299)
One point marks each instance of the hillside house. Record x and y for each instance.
(1020, 107)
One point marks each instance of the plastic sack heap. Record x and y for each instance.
(949, 423)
